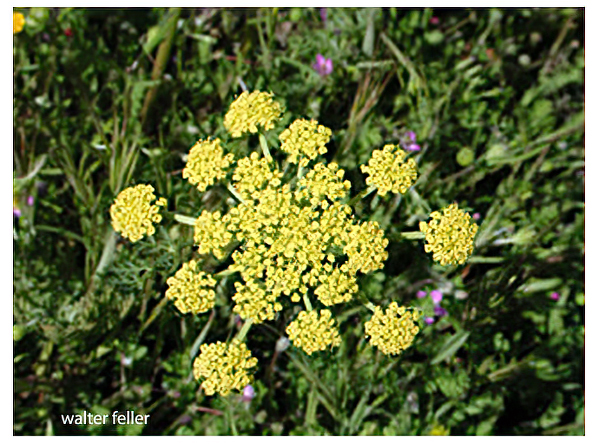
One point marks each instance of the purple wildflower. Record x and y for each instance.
(323, 66)
(408, 141)
(434, 20)
(323, 14)
(30, 201)
(411, 135)
(429, 321)
(421, 294)
(248, 393)
(440, 311)
(555, 296)
(413, 147)
(16, 212)
(476, 216)
(436, 296)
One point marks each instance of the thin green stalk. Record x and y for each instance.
(234, 192)
(307, 302)
(370, 306)
(244, 330)
(264, 146)
(361, 195)
(412, 235)
(187, 220)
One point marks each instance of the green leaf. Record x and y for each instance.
(451, 346)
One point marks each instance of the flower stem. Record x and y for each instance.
(370, 306)
(187, 220)
(307, 302)
(361, 195)
(234, 192)
(264, 147)
(244, 330)
(412, 235)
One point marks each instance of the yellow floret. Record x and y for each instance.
(211, 233)
(133, 213)
(18, 21)
(449, 235)
(190, 289)
(312, 332)
(223, 368)
(393, 331)
(304, 138)
(206, 163)
(336, 288)
(253, 301)
(389, 171)
(251, 110)
(253, 174)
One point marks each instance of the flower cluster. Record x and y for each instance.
(304, 138)
(388, 170)
(393, 331)
(206, 163)
(251, 110)
(133, 212)
(313, 332)
(190, 289)
(211, 233)
(223, 367)
(449, 235)
(252, 174)
(18, 21)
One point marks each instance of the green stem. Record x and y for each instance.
(370, 306)
(264, 147)
(244, 330)
(361, 195)
(413, 235)
(307, 302)
(187, 220)
(234, 192)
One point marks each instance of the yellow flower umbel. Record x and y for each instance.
(211, 233)
(312, 332)
(389, 171)
(251, 110)
(190, 289)
(206, 163)
(449, 235)
(393, 331)
(439, 430)
(133, 212)
(223, 367)
(253, 174)
(18, 21)
(304, 138)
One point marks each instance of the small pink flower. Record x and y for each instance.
(434, 20)
(323, 66)
(413, 147)
(248, 393)
(421, 294)
(555, 296)
(440, 311)
(429, 321)
(30, 201)
(436, 296)
(323, 14)
(476, 216)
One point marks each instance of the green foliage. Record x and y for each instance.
(495, 98)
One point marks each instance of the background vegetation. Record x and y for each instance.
(105, 98)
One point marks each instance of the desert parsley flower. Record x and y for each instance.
(191, 289)
(322, 65)
(18, 21)
(388, 170)
(253, 174)
(206, 163)
(313, 332)
(304, 138)
(449, 235)
(251, 110)
(133, 212)
(322, 181)
(211, 233)
(223, 368)
(254, 301)
(393, 331)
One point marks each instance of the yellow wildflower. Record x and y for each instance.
(365, 246)
(322, 180)
(304, 138)
(223, 367)
(393, 331)
(133, 213)
(254, 302)
(206, 163)
(389, 171)
(211, 233)
(449, 235)
(189, 289)
(312, 332)
(336, 288)
(250, 110)
(439, 430)
(18, 21)
(253, 174)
